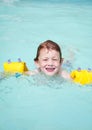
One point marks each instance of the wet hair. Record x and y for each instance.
(50, 45)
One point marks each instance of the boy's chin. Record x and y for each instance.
(50, 74)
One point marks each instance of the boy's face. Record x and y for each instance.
(49, 62)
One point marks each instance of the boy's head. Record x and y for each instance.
(49, 58)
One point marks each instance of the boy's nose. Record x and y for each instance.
(50, 62)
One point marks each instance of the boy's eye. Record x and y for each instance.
(45, 59)
(55, 59)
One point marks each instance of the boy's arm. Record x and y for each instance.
(31, 72)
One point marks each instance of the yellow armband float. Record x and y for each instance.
(15, 67)
(82, 76)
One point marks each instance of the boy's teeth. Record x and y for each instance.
(50, 69)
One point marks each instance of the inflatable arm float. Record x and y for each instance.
(82, 77)
(15, 67)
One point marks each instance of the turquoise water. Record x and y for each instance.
(38, 103)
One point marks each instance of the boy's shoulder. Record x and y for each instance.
(65, 74)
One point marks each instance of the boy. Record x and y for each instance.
(49, 60)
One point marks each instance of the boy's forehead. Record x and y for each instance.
(46, 51)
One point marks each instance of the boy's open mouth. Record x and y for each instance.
(50, 69)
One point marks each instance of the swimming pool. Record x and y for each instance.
(25, 103)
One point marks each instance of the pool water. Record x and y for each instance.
(37, 102)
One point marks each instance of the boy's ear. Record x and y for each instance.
(36, 63)
(62, 59)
